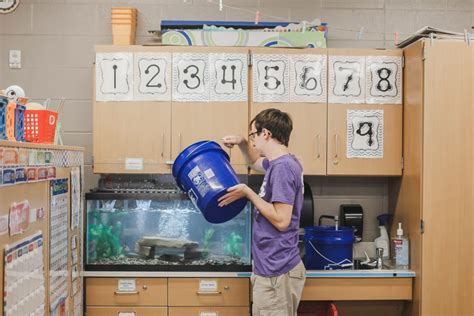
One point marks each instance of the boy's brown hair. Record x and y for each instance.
(278, 123)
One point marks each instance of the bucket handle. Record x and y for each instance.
(325, 258)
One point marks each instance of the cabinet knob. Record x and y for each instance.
(145, 287)
(226, 287)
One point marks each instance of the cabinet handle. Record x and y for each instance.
(179, 135)
(336, 154)
(126, 293)
(162, 144)
(318, 142)
(208, 292)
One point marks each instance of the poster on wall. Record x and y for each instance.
(346, 79)
(270, 78)
(308, 78)
(152, 76)
(190, 77)
(228, 77)
(58, 247)
(24, 281)
(114, 76)
(365, 133)
(384, 79)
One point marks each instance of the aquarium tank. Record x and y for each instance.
(161, 231)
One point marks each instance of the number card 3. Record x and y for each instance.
(190, 77)
(384, 79)
(152, 76)
(346, 79)
(114, 76)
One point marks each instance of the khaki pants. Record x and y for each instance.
(280, 295)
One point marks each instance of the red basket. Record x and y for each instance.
(40, 126)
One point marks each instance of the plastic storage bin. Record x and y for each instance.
(20, 123)
(40, 126)
(3, 118)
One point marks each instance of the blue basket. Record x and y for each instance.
(20, 123)
(3, 117)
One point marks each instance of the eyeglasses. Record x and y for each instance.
(252, 135)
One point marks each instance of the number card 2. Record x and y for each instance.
(152, 76)
(346, 79)
(190, 77)
(270, 78)
(384, 79)
(114, 76)
(308, 78)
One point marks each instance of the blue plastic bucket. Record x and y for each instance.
(327, 248)
(203, 171)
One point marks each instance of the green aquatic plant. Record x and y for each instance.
(207, 237)
(104, 241)
(234, 245)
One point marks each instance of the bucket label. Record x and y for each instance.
(193, 198)
(199, 181)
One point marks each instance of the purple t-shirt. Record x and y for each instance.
(275, 252)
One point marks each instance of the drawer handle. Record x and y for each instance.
(208, 292)
(126, 293)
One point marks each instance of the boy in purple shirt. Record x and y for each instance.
(279, 274)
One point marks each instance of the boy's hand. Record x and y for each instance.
(231, 140)
(234, 193)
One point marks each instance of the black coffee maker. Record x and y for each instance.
(352, 215)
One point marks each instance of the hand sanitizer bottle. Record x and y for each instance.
(400, 250)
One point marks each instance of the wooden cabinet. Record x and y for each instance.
(319, 137)
(226, 292)
(208, 311)
(146, 136)
(145, 292)
(126, 310)
(434, 199)
(389, 162)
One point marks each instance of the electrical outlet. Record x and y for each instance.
(14, 59)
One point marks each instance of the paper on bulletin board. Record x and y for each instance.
(190, 77)
(384, 79)
(152, 76)
(365, 133)
(308, 78)
(228, 77)
(114, 76)
(270, 78)
(346, 79)
(58, 248)
(75, 197)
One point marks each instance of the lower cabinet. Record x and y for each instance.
(208, 311)
(127, 311)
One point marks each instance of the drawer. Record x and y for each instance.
(208, 292)
(126, 311)
(209, 311)
(132, 291)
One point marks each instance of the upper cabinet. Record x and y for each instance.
(364, 112)
(152, 102)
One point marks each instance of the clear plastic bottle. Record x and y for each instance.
(401, 250)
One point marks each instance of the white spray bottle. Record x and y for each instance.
(383, 240)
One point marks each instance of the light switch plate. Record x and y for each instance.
(14, 59)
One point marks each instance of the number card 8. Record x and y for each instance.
(384, 79)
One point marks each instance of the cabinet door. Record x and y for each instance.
(209, 311)
(364, 112)
(308, 138)
(126, 311)
(131, 137)
(202, 74)
(294, 81)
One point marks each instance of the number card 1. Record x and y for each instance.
(384, 79)
(114, 76)
(346, 79)
(152, 76)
